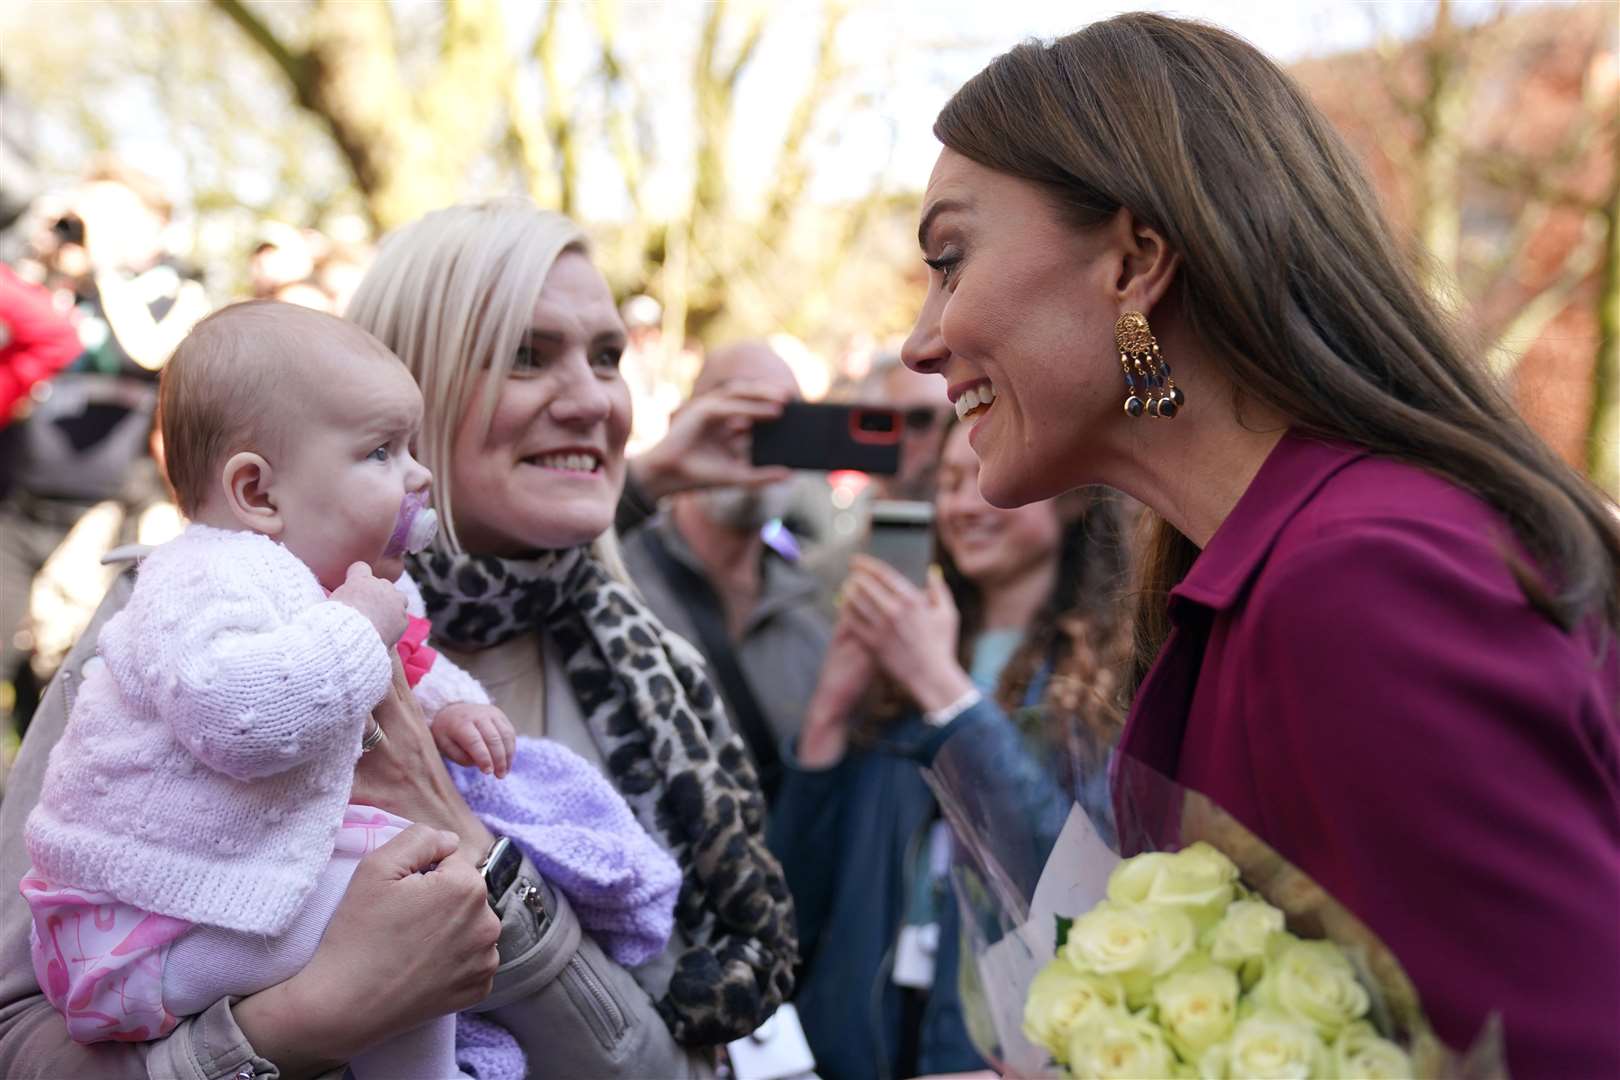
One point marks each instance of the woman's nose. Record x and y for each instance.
(580, 398)
(924, 350)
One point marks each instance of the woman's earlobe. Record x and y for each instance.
(246, 480)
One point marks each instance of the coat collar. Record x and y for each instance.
(1296, 469)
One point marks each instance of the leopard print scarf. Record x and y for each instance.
(671, 753)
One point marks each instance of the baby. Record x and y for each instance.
(194, 817)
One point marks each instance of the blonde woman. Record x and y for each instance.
(514, 339)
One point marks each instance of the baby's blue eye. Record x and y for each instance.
(379, 454)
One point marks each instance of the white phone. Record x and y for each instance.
(902, 535)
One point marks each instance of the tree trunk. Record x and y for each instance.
(1603, 436)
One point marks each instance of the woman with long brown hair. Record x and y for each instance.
(1013, 650)
(1377, 624)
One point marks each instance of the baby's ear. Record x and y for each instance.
(246, 481)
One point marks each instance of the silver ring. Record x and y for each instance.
(373, 737)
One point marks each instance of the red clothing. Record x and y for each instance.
(36, 340)
(415, 655)
(1355, 675)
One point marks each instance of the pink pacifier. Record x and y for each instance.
(415, 527)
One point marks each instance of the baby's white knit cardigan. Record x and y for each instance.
(206, 763)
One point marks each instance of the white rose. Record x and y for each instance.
(1061, 995)
(1134, 944)
(1118, 1044)
(1313, 981)
(1197, 879)
(1267, 1046)
(1197, 1007)
(1361, 1052)
(1240, 939)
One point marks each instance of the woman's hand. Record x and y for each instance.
(707, 444)
(404, 774)
(413, 938)
(846, 675)
(911, 633)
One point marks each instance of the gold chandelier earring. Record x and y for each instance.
(1149, 386)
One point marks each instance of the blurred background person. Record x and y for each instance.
(100, 248)
(282, 257)
(924, 412)
(36, 341)
(834, 513)
(648, 367)
(305, 267)
(1016, 646)
(720, 569)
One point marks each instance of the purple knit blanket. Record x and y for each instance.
(583, 839)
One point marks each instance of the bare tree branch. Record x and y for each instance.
(1603, 432)
(1545, 305)
(623, 103)
(793, 165)
(558, 111)
(746, 50)
(297, 66)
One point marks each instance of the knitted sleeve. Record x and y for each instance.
(446, 684)
(251, 692)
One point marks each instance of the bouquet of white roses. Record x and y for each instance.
(1209, 955)
(1182, 971)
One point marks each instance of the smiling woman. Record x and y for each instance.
(1013, 649)
(544, 467)
(1366, 564)
(514, 338)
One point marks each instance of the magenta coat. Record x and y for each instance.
(1355, 674)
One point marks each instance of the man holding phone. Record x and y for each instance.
(716, 566)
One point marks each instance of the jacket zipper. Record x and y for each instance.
(606, 1007)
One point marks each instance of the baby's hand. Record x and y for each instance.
(477, 735)
(376, 599)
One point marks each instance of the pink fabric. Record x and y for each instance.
(100, 962)
(414, 652)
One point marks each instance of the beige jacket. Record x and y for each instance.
(576, 1012)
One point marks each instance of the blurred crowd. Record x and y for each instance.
(95, 292)
(821, 655)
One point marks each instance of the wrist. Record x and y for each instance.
(287, 1024)
(820, 745)
(476, 839)
(938, 688)
(652, 474)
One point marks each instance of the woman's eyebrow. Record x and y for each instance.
(942, 206)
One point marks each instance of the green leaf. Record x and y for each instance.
(1063, 924)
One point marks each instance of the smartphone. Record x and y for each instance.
(902, 535)
(830, 437)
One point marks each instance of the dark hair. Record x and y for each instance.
(1078, 638)
(1289, 273)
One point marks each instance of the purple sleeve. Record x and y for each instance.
(1442, 759)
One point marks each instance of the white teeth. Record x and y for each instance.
(569, 462)
(973, 397)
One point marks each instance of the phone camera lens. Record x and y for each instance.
(876, 420)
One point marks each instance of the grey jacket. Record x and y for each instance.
(783, 643)
(572, 1008)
